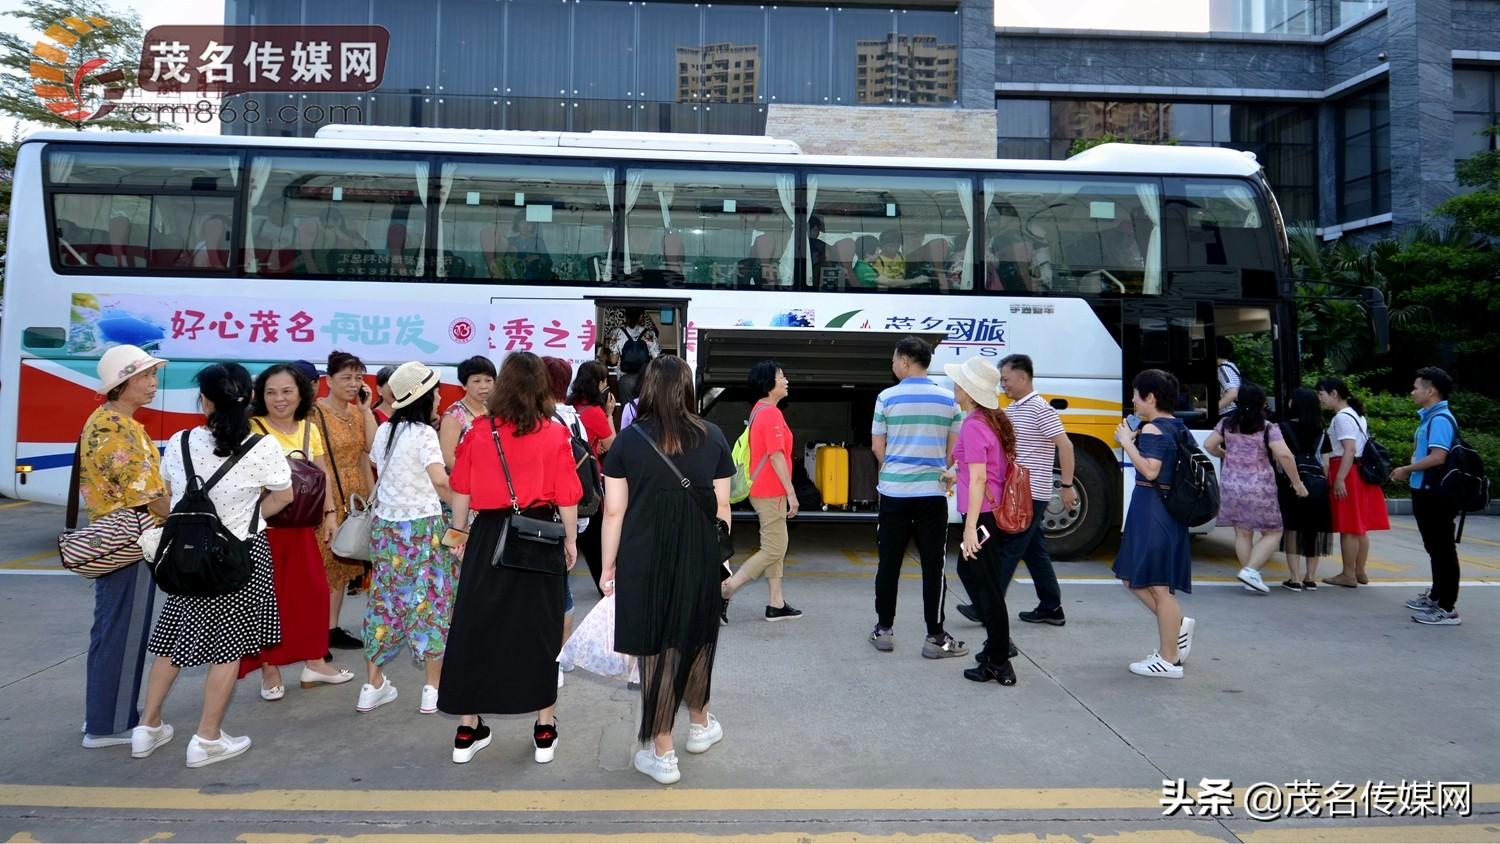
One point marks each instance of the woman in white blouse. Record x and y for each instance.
(413, 574)
(218, 631)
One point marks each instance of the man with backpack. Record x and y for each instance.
(634, 345)
(1434, 508)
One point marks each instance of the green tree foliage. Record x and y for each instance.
(119, 44)
(1081, 144)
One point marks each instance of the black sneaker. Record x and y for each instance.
(968, 611)
(782, 613)
(724, 612)
(544, 739)
(469, 741)
(1053, 617)
(1012, 651)
(340, 638)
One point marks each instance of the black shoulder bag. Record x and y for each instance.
(726, 542)
(527, 543)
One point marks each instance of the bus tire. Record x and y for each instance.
(1073, 535)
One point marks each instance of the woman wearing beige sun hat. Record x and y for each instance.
(119, 467)
(981, 459)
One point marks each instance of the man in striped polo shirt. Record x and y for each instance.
(915, 426)
(1040, 439)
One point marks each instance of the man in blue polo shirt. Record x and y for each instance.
(913, 431)
(1436, 430)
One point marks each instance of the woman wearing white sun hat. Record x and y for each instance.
(119, 467)
(981, 459)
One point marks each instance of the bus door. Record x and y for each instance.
(1177, 336)
(659, 323)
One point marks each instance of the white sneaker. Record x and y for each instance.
(1155, 666)
(145, 740)
(1252, 580)
(429, 699)
(701, 739)
(371, 697)
(1185, 639)
(201, 751)
(663, 769)
(560, 678)
(95, 742)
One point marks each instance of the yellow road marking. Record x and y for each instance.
(14, 504)
(565, 801)
(1373, 832)
(24, 562)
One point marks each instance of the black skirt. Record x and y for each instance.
(505, 635)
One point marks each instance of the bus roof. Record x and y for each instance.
(684, 150)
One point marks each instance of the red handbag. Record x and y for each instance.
(309, 486)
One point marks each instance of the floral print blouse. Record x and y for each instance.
(120, 466)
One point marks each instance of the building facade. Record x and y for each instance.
(1357, 108)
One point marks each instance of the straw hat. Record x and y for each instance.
(411, 381)
(979, 378)
(119, 364)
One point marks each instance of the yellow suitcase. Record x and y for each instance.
(832, 477)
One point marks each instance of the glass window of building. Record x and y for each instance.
(710, 228)
(1292, 17)
(883, 232)
(1474, 110)
(525, 223)
(344, 217)
(798, 39)
(864, 49)
(1364, 156)
(1023, 127)
(472, 82)
(413, 49)
(603, 66)
(925, 61)
(1086, 235)
(1349, 11)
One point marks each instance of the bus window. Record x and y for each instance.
(520, 222)
(142, 171)
(344, 217)
(1220, 223)
(1082, 234)
(710, 228)
(103, 230)
(890, 233)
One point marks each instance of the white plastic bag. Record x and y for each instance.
(592, 645)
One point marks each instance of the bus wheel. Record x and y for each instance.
(1074, 533)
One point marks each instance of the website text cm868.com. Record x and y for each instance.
(247, 111)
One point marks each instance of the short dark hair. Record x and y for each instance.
(477, 365)
(305, 390)
(1222, 347)
(763, 378)
(815, 220)
(916, 350)
(1019, 363)
(1160, 385)
(339, 361)
(384, 374)
(117, 391)
(1440, 380)
(585, 390)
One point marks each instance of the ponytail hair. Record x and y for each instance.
(999, 422)
(1340, 389)
(228, 387)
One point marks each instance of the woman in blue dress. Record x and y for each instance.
(1155, 560)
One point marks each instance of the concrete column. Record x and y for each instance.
(1328, 164)
(976, 74)
(1421, 83)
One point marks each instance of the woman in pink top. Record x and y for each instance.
(771, 491)
(985, 442)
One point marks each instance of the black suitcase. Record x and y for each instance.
(864, 477)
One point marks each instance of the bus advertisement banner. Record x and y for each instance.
(226, 328)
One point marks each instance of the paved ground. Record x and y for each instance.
(825, 738)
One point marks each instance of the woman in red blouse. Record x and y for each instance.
(590, 396)
(502, 643)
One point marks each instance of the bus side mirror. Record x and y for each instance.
(1380, 317)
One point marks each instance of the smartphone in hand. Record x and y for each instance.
(1133, 422)
(984, 535)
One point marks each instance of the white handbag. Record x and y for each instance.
(352, 540)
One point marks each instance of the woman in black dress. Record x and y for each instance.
(667, 485)
(502, 643)
(1308, 521)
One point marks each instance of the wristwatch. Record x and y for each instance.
(1065, 486)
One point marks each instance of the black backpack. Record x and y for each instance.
(198, 556)
(635, 354)
(588, 471)
(1193, 497)
(1462, 480)
(1374, 460)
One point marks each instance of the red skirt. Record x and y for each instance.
(1362, 510)
(301, 600)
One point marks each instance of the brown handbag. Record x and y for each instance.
(309, 486)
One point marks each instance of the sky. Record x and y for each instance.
(1175, 15)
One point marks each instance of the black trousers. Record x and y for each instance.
(1435, 515)
(589, 547)
(902, 520)
(987, 577)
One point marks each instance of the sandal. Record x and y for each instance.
(273, 693)
(1363, 579)
(1333, 581)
